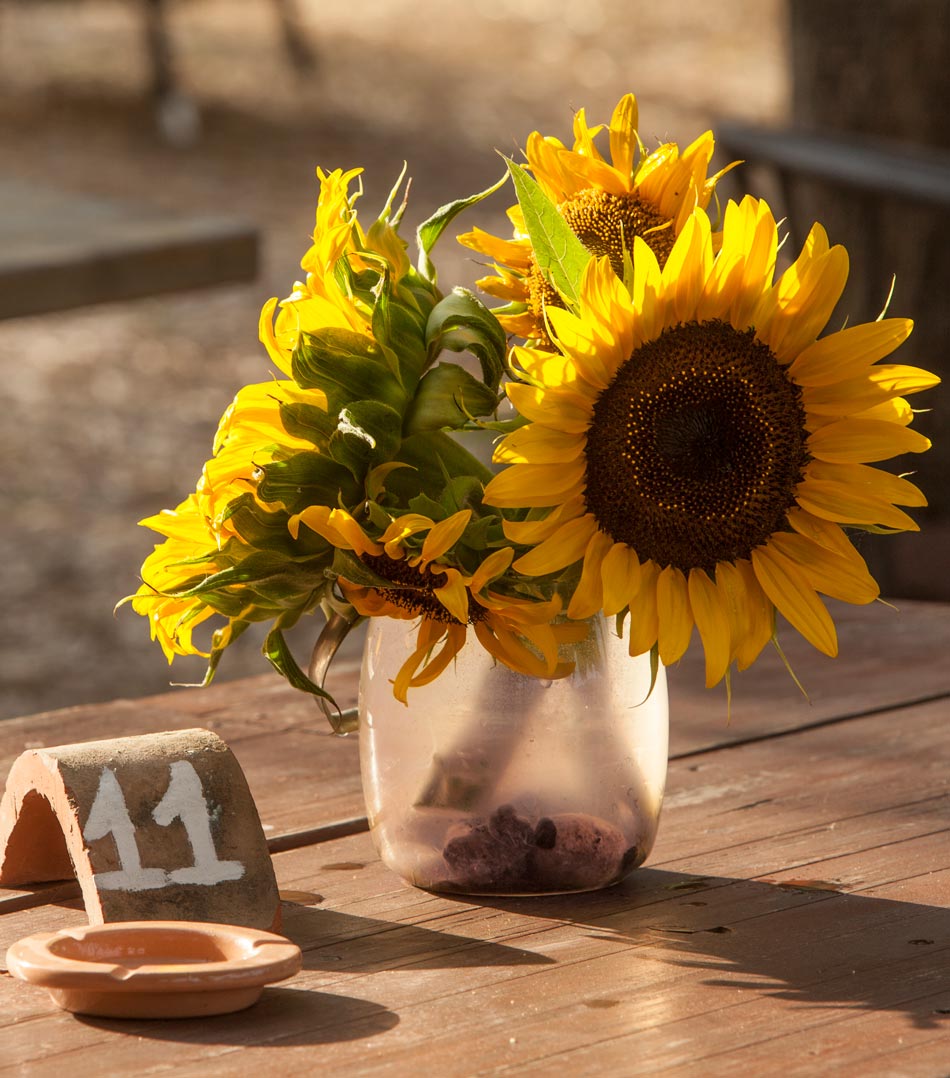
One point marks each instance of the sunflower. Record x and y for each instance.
(323, 300)
(606, 204)
(700, 448)
(174, 566)
(446, 601)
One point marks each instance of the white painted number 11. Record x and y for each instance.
(183, 800)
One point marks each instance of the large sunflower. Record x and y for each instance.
(700, 447)
(606, 204)
(445, 601)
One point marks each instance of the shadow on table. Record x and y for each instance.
(342, 942)
(284, 1016)
(800, 941)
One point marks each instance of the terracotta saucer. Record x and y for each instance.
(154, 969)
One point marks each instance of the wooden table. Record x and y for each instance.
(793, 919)
(60, 250)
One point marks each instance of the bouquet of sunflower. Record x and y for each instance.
(681, 444)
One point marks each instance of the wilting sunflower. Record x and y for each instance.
(445, 601)
(700, 447)
(606, 204)
(322, 299)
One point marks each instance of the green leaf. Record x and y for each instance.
(559, 253)
(279, 655)
(462, 323)
(447, 397)
(430, 230)
(308, 479)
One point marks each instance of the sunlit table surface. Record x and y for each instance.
(793, 919)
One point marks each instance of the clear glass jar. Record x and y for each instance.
(492, 782)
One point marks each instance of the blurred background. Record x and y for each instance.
(107, 412)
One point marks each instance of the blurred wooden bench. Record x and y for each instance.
(60, 250)
(917, 173)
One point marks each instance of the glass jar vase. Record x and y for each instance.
(495, 783)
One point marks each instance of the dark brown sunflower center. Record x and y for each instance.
(417, 595)
(694, 450)
(606, 225)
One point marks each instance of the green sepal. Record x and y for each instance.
(428, 233)
(307, 421)
(346, 366)
(461, 492)
(654, 668)
(399, 326)
(356, 571)
(448, 397)
(367, 434)
(258, 527)
(220, 640)
(462, 323)
(308, 478)
(559, 253)
(502, 426)
(434, 457)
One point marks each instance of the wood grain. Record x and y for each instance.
(794, 919)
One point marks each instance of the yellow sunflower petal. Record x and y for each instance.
(795, 598)
(644, 619)
(454, 642)
(444, 535)
(530, 532)
(588, 596)
(620, 571)
(759, 616)
(674, 613)
(535, 444)
(558, 409)
(849, 352)
(544, 368)
(593, 360)
(712, 622)
(874, 482)
(337, 527)
(841, 503)
(491, 568)
(901, 380)
(858, 441)
(523, 485)
(624, 143)
(684, 275)
(842, 578)
(806, 297)
(564, 547)
(453, 595)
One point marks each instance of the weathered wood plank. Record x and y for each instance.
(887, 658)
(725, 956)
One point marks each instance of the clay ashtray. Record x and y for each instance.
(154, 969)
